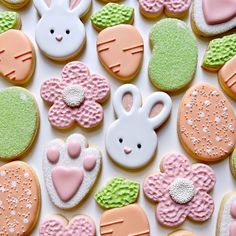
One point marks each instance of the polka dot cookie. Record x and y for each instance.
(206, 123)
(19, 199)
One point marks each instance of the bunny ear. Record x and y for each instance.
(127, 99)
(42, 5)
(157, 108)
(79, 7)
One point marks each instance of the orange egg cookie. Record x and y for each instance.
(120, 50)
(17, 57)
(125, 221)
(227, 77)
(19, 199)
(207, 123)
(181, 233)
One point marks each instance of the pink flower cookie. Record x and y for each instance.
(173, 8)
(181, 189)
(76, 97)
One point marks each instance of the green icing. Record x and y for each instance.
(118, 192)
(8, 20)
(174, 58)
(18, 121)
(220, 51)
(233, 158)
(112, 14)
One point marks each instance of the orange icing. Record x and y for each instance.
(17, 58)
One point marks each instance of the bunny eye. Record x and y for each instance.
(52, 31)
(121, 140)
(67, 31)
(139, 146)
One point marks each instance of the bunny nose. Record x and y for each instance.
(127, 150)
(59, 38)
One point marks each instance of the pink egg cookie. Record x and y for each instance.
(76, 97)
(181, 190)
(56, 225)
(70, 170)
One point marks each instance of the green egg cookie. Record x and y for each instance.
(118, 192)
(19, 122)
(174, 57)
(219, 52)
(112, 14)
(233, 163)
(9, 20)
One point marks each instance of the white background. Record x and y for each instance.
(167, 134)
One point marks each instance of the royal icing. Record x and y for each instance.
(131, 140)
(70, 178)
(233, 163)
(9, 20)
(120, 221)
(61, 39)
(181, 233)
(181, 190)
(120, 49)
(80, 225)
(17, 57)
(207, 123)
(15, 4)
(19, 199)
(76, 97)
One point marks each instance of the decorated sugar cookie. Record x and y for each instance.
(15, 4)
(181, 190)
(80, 225)
(174, 55)
(181, 233)
(9, 20)
(17, 57)
(213, 17)
(120, 49)
(70, 170)
(172, 8)
(19, 122)
(226, 224)
(233, 163)
(61, 39)
(76, 97)
(207, 123)
(19, 199)
(120, 221)
(131, 140)
(112, 14)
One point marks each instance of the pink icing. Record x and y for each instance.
(156, 187)
(89, 163)
(218, 11)
(89, 113)
(232, 229)
(74, 148)
(74, 4)
(67, 181)
(157, 6)
(53, 155)
(78, 226)
(233, 210)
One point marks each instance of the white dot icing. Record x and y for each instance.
(73, 95)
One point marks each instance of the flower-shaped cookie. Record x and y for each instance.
(173, 8)
(75, 97)
(181, 190)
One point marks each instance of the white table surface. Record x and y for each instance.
(167, 134)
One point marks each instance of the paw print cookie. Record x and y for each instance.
(17, 57)
(131, 140)
(80, 225)
(19, 199)
(120, 49)
(213, 17)
(172, 8)
(76, 97)
(207, 123)
(181, 190)
(15, 4)
(61, 39)
(70, 170)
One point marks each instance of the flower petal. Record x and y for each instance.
(156, 187)
(75, 73)
(177, 165)
(89, 114)
(151, 7)
(202, 207)
(203, 177)
(51, 90)
(171, 214)
(60, 115)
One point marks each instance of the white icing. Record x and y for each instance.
(202, 114)
(135, 127)
(13, 184)
(26, 175)
(194, 94)
(207, 103)
(58, 44)
(205, 129)
(182, 190)
(73, 95)
(218, 119)
(2, 173)
(190, 122)
(231, 127)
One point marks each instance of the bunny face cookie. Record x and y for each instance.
(70, 170)
(131, 140)
(59, 33)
